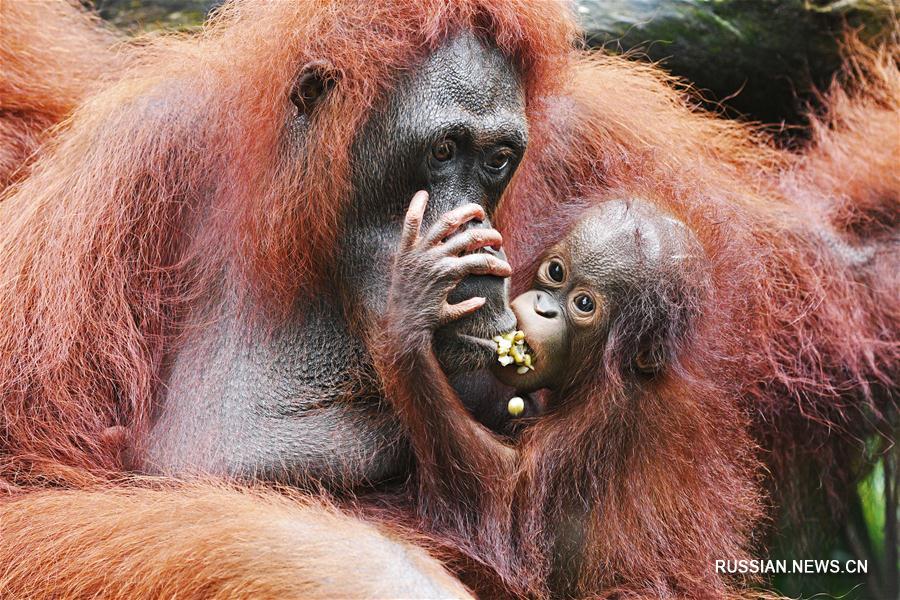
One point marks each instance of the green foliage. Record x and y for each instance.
(764, 56)
(148, 15)
(872, 500)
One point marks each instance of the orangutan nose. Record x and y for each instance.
(545, 306)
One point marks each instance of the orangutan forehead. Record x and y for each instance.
(626, 239)
(472, 73)
(465, 90)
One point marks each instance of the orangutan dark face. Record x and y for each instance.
(456, 128)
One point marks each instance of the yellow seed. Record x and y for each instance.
(527, 360)
(519, 336)
(517, 356)
(522, 370)
(515, 406)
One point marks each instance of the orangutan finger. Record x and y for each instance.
(452, 312)
(479, 264)
(471, 240)
(450, 221)
(412, 222)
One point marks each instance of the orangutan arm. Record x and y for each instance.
(458, 459)
(203, 541)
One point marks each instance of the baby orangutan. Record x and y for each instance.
(566, 511)
(616, 278)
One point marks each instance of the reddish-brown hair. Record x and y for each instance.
(52, 56)
(793, 329)
(799, 333)
(163, 540)
(177, 175)
(176, 179)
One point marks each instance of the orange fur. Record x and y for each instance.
(800, 334)
(52, 56)
(157, 540)
(171, 178)
(179, 171)
(163, 185)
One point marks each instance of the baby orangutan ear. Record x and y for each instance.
(650, 361)
(315, 80)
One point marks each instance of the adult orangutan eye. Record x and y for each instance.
(498, 161)
(584, 303)
(443, 151)
(316, 80)
(555, 271)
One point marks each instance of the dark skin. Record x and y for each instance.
(580, 285)
(579, 295)
(301, 404)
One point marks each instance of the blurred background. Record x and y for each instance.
(759, 60)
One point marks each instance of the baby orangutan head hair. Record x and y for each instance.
(618, 291)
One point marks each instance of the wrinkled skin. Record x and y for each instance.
(429, 267)
(607, 262)
(478, 106)
(300, 405)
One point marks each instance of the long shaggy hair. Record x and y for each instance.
(794, 343)
(52, 56)
(182, 175)
(178, 174)
(223, 543)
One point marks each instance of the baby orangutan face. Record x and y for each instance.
(610, 257)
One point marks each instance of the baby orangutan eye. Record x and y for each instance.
(584, 303)
(555, 271)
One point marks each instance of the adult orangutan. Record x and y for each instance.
(194, 264)
(188, 215)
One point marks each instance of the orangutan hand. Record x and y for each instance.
(427, 267)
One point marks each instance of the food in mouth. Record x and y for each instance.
(512, 349)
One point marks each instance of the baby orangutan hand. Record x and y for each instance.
(427, 267)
